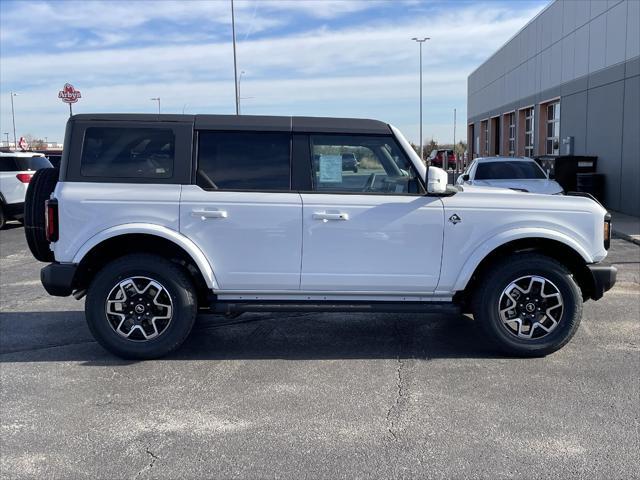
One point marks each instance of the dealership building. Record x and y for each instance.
(568, 83)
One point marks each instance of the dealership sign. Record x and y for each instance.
(69, 94)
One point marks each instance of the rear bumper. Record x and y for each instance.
(604, 277)
(14, 210)
(57, 278)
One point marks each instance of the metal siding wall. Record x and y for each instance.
(630, 187)
(604, 136)
(573, 120)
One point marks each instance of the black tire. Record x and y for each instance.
(2, 219)
(39, 190)
(355, 169)
(178, 286)
(487, 304)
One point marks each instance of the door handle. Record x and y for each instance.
(204, 214)
(324, 216)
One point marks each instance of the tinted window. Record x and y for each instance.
(18, 164)
(508, 171)
(244, 160)
(128, 152)
(361, 164)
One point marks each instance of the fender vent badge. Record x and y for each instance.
(455, 218)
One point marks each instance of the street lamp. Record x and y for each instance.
(13, 117)
(420, 42)
(235, 64)
(239, 97)
(156, 99)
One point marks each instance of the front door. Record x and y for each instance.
(242, 212)
(369, 228)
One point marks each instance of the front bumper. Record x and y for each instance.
(57, 278)
(604, 277)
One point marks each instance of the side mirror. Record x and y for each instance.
(462, 178)
(437, 180)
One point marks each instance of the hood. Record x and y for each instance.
(534, 185)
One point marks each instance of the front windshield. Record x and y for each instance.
(508, 171)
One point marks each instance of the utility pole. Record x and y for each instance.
(420, 42)
(235, 63)
(13, 118)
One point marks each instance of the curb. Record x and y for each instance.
(628, 238)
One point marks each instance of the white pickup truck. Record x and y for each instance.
(158, 217)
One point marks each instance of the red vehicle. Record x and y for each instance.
(437, 157)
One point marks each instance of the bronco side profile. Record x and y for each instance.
(158, 217)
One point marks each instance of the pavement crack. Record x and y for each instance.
(148, 466)
(393, 413)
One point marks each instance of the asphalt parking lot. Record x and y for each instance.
(315, 396)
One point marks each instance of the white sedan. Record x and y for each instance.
(518, 173)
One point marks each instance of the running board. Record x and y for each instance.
(225, 307)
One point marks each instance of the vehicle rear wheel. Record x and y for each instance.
(529, 305)
(39, 190)
(141, 306)
(2, 220)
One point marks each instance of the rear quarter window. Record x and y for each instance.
(144, 153)
(23, 164)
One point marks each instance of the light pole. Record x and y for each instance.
(13, 118)
(420, 42)
(156, 99)
(454, 139)
(235, 64)
(239, 97)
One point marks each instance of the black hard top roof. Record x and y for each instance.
(250, 122)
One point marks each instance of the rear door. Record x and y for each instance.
(241, 211)
(373, 230)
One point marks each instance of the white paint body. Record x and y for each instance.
(314, 246)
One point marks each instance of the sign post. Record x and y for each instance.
(69, 95)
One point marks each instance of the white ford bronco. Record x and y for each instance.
(158, 217)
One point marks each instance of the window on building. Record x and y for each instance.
(511, 118)
(243, 161)
(528, 132)
(484, 131)
(553, 129)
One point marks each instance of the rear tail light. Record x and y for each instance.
(24, 177)
(51, 219)
(607, 231)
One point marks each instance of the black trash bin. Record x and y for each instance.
(592, 183)
(565, 168)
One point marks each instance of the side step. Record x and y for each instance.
(227, 308)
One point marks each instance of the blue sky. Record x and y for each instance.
(303, 57)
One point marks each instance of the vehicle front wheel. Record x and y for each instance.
(141, 306)
(529, 305)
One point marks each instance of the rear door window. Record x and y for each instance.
(144, 153)
(258, 161)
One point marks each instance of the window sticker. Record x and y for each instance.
(330, 169)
